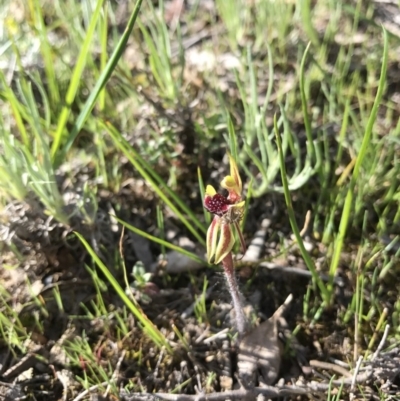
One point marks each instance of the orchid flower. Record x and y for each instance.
(228, 212)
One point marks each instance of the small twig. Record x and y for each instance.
(202, 336)
(283, 308)
(121, 242)
(82, 395)
(114, 376)
(159, 362)
(381, 320)
(354, 378)
(330, 366)
(250, 393)
(5, 384)
(63, 379)
(27, 362)
(301, 272)
(339, 362)
(218, 336)
(356, 313)
(382, 343)
(225, 362)
(198, 378)
(306, 223)
(233, 395)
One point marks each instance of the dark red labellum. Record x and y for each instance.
(216, 204)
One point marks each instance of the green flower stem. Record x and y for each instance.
(229, 270)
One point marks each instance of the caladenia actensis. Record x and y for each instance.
(228, 212)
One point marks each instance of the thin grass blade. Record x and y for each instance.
(292, 219)
(345, 218)
(104, 77)
(160, 241)
(152, 331)
(75, 80)
(158, 185)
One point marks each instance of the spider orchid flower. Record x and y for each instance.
(228, 212)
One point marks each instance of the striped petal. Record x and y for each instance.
(212, 236)
(233, 183)
(235, 172)
(225, 243)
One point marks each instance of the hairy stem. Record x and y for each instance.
(229, 270)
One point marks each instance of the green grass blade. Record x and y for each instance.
(158, 185)
(75, 80)
(152, 331)
(103, 33)
(304, 105)
(17, 109)
(207, 215)
(292, 218)
(232, 137)
(162, 242)
(305, 11)
(104, 77)
(45, 48)
(270, 81)
(345, 218)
